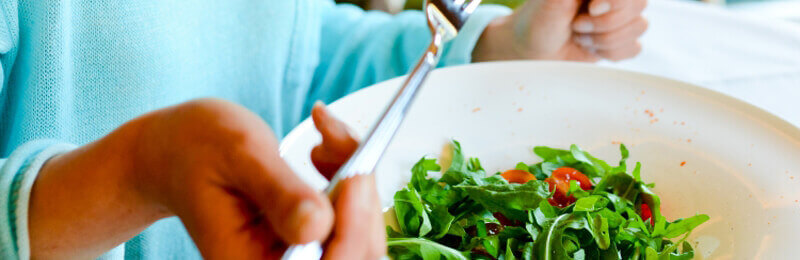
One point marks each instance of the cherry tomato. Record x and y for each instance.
(559, 180)
(518, 176)
(647, 213)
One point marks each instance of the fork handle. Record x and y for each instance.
(366, 157)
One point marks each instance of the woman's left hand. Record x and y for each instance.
(358, 231)
(560, 30)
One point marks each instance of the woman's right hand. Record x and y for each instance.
(212, 163)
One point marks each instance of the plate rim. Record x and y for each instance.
(779, 124)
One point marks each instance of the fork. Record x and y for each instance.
(445, 18)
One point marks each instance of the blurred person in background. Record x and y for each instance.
(109, 153)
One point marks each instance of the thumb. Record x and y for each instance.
(338, 144)
(295, 211)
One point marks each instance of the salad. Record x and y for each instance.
(570, 205)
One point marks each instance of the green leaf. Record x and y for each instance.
(512, 200)
(596, 167)
(426, 249)
(624, 152)
(637, 175)
(492, 245)
(457, 172)
(683, 226)
(579, 255)
(650, 254)
(547, 153)
(687, 253)
(441, 220)
(575, 190)
(511, 245)
(549, 167)
(621, 184)
(528, 252)
(419, 174)
(474, 165)
(598, 227)
(522, 167)
(549, 244)
(591, 203)
(614, 219)
(411, 215)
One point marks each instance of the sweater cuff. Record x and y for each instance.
(460, 49)
(17, 176)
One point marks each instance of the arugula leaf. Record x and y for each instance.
(427, 249)
(686, 253)
(457, 172)
(528, 252)
(419, 174)
(637, 172)
(598, 227)
(522, 167)
(512, 200)
(441, 220)
(549, 244)
(411, 215)
(591, 204)
(474, 165)
(492, 245)
(547, 153)
(575, 190)
(683, 226)
(511, 245)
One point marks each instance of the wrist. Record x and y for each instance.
(83, 204)
(495, 43)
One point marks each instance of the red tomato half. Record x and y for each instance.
(647, 213)
(559, 180)
(518, 176)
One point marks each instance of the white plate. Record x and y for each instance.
(742, 165)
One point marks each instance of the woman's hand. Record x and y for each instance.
(213, 164)
(560, 30)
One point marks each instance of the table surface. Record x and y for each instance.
(755, 59)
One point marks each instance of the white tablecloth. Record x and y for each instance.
(751, 58)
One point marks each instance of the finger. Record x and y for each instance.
(359, 232)
(297, 212)
(337, 142)
(610, 21)
(614, 39)
(600, 7)
(225, 226)
(575, 52)
(621, 53)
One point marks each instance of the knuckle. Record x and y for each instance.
(230, 124)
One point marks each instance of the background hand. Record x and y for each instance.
(565, 30)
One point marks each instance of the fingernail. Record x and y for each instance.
(598, 9)
(583, 26)
(319, 104)
(584, 40)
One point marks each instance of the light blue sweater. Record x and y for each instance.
(73, 70)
